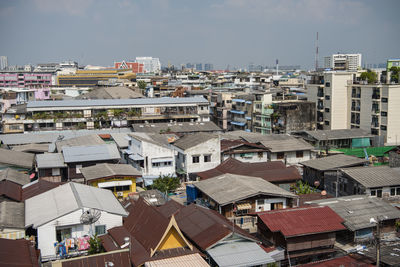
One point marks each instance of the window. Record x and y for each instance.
(383, 127)
(327, 84)
(207, 158)
(156, 164)
(327, 97)
(379, 193)
(384, 99)
(384, 114)
(280, 155)
(392, 191)
(326, 122)
(100, 229)
(398, 191)
(55, 171)
(373, 192)
(195, 159)
(260, 154)
(327, 109)
(299, 154)
(78, 168)
(64, 233)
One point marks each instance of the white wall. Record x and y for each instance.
(265, 204)
(152, 151)
(291, 157)
(252, 159)
(47, 232)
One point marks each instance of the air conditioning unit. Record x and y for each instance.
(120, 194)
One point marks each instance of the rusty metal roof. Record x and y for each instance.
(37, 187)
(271, 171)
(118, 258)
(169, 208)
(21, 253)
(10, 190)
(302, 221)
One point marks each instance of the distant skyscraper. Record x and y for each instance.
(189, 66)
(208, 67)
(199, 66)
(350, 62)
(150, 64)
(3, 62)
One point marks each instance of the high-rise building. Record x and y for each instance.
(150, 64)
(3, 62)
(208, 67)
(350, 62)
(199, 66)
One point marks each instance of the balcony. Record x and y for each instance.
(355, 108)
(356, 95)
(376, 96)
(320, 107)
(375, 124)
(320, 94)
(375, 111)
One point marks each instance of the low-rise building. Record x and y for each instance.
(119, 178)
(243, 151)
(51, 167)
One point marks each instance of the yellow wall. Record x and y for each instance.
(132, 186)
(172, 240)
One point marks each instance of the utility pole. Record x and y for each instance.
(378, 241)
(337, 182)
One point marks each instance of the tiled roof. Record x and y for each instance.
(302, 221)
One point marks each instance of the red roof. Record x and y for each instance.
(345, 261)
(271, 171)
(10, 190)
(37, 188)
(231, 144)
(302, 221)
(18, 253)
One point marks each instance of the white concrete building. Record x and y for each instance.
(61, 214)
(150, 64)
(351, 62)
(3, 62)
(196, 153)
(151, 154)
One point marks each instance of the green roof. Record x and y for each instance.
(359, 152)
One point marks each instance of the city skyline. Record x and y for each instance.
(234, 33)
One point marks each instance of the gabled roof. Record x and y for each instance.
(358, 210)
(107, 170)
(228, 188)
(18, 253)
(302, 221)
(206, 227)
(120, 139)
(118, 258)
(333, 162)
(66, 199)
(35, 148)
(91, 153)
(271, 171)
(192, 140)
(115, 92)
(10, 190)
(37, 187)
(374, 176)
(290, 144)
(170, 208)
(50, 160)
(12, 215)
(14, 176)
(16, 158)
(227, 145)
(179, 127)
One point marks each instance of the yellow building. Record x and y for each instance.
(119, 178)
(92, 77)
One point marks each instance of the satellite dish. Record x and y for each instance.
(90, 216)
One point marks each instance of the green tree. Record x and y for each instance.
(142, 84)
(95, 245)
(395, 74)
(369, 76)
(166, 183)
(302, 188)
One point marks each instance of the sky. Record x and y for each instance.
(225, 33)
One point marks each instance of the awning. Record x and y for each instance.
(161, 160)
(244, 206)
(128, 151)
(238, 123)
(136, 157)
(240, 253)
(115, 183)
(238, 100)
(237, 112)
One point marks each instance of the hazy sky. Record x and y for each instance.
(222, 32)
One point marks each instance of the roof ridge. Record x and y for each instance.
(76, 195)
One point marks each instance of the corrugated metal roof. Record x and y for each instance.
(121, 139)
(302, 221)
(358, 210)
(50, 160)
(192, 140)
(344, 261)
(192, 260)
(227, 188)
(14, 176)
(91, 153)
(338, 134)
(37, 187)
(68, 198)
(106, 170)
(359, 152)
(10, 190)
(179, 127)
(31, 148)
(116, 102)
(290, 144)
(238, 254)
(84, 140)
(118, 258)
(333, 162)
(18, 253)
(16, 158)
(374, 176)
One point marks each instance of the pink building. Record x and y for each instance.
(24, 79)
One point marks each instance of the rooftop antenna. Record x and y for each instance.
(316, 54)
(89, 217)
(277, 65)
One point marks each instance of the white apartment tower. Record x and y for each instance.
(350, 62)
(150, 64)
(343, 102)
(3, 62)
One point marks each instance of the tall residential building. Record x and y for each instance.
(150, 64)
(199, 66)
(350, 62)
(3, 62)
(208, 67)
(344, 102)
